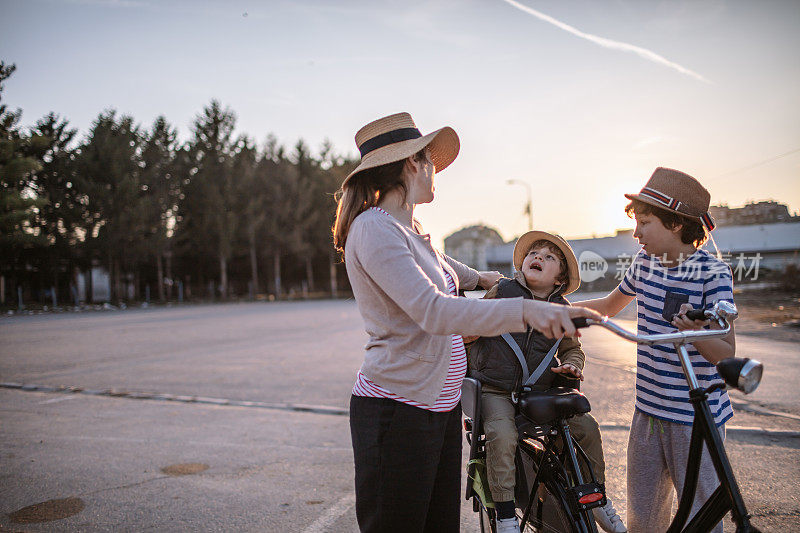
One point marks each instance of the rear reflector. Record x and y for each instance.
(591, 498)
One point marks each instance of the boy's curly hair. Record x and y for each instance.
(692, 231)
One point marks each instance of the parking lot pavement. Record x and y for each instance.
(88, 462)
(259, 469)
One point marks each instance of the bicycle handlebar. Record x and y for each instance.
(583, 322)
(580, 322)
(696, 314)
(723, 313)
(744, 374)
(679, 337)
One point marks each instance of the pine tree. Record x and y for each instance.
(18, 205)
(61, 216)
(207, 215)
(161, 186)
(251, 191)
(108, 171)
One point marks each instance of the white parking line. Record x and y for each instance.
(56, 400)
(329, 517)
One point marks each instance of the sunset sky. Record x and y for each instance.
(581, 99)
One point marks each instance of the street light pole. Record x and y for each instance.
(529, 205)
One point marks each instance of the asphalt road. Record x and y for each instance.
(224, 395)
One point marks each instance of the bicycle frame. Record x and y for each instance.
(727, 497)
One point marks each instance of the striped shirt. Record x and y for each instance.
(456, 371)
(661, 387)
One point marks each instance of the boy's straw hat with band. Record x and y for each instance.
(396, 137)
(523, 246)
(677, 192)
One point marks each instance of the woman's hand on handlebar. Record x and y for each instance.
(554, 320)
(682, 322)
(488, 279)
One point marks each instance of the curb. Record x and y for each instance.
(303, 408)
(134, 395)
(744, 405)
(737, 403)
(730, 430)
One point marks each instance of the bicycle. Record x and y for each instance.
(559, 499)
(743, 374)
(557, 477)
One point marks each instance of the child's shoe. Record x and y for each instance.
(507, 525)
(608, 519)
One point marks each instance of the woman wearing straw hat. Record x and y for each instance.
(405, 414)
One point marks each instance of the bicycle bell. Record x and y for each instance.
(726, 310)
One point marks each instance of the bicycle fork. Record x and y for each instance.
(727, 496)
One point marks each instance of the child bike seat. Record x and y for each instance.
(543, 407)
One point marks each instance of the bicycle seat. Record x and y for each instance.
(542, 407)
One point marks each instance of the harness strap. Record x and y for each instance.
(544, 365)
(520, 357)
(530, 379)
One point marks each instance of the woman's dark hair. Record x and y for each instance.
(364, 190)
(692, 231)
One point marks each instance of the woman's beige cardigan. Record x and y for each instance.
(399, 285)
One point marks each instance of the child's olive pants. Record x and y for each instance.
(501, 443)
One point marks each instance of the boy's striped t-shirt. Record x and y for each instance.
(661, 387)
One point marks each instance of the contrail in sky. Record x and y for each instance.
(608, 43)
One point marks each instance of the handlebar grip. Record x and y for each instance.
(696, 314)
(580, 322)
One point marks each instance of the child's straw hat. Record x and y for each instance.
(523, 246)
(396, 137)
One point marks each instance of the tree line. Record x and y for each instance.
(217, 215)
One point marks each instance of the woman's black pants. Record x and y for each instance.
(408, 466)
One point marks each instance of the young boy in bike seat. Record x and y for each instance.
(668, 277)
(546, 269)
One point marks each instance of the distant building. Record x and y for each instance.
(606, 248)
(469, 245)
(751, 251)
(765, 212)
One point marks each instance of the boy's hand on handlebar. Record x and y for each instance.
(570, 369)
(683, 323)
(488, 279)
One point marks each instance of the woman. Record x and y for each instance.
(405, 412)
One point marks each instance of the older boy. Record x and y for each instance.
(546, 269)
(668, 277)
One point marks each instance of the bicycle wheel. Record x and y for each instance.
(550, 513)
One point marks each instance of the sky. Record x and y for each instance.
(582, 100)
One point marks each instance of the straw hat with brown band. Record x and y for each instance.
(678, 192)
(396, 137)
(523, 246)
